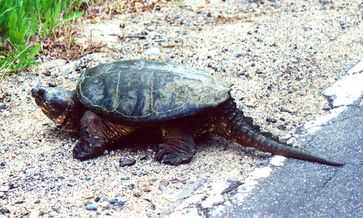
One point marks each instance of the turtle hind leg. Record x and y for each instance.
(96, 135)
(177, 147)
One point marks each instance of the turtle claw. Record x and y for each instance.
(166, 154)
(84, 152)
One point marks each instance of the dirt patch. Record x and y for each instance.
(278, 56)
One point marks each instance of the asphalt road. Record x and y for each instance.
(303, 189)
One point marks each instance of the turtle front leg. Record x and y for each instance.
(96, 135)
(178, 146)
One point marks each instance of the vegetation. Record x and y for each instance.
(24, 23)
(30, 27)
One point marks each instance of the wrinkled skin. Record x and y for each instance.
(98, 133)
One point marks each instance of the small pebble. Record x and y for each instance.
(125, 178)
(271, 120)
(4, 188)
(108, 213)
(113, 200)
(282, 127)
(137, 194)
(136, 36)
(2, 94)
(153, 52)
(4, 210)
(103, 198)
(2, 106)
(325, 2)
(145, 157)
(127, 161)
(52, 84)
(119, 204)
(47, 73)
(105, 205)
(232, 186)
(131, 186)
(91, 207)
(146, 188)
(258, 71)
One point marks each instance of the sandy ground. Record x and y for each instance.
(277, 55)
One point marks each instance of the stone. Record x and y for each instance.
(2, 106)
(119, 204)
(282, 127)
(233, 185)
(4, 210)
(127, 161)
(91, 207)
(105, 205)
(4, 188)
(153, 52)
(271, 120)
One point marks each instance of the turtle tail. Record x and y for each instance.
(232, 124)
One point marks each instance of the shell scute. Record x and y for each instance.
(143, 91)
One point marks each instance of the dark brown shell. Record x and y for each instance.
(147, 91)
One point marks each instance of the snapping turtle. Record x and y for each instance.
(113, 100)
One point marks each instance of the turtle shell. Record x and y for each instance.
(149, 91)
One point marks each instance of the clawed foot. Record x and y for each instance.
(84, 152)
(168, 155)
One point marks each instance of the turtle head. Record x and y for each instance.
(56, 103)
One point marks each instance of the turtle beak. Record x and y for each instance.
(38, 93)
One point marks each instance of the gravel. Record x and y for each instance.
(278, 55)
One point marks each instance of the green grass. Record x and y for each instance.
(24, 23)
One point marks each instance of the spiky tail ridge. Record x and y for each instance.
(234, 125)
